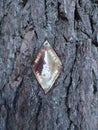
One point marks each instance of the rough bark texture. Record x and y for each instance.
(71, 27)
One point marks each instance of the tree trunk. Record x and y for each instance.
(71, 28)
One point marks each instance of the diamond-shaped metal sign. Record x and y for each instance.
(47, 66)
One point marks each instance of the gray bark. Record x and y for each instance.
(71, 27)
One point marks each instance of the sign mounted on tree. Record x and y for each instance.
(47, 66)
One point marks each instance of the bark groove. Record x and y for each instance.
(71, 27)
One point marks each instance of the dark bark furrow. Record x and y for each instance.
(71, 27)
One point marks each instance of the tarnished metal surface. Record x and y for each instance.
(47, 66)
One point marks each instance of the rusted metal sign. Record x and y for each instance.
(47, 66)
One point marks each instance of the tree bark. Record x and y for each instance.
(71, 27)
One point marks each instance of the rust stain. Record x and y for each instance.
(38, 66)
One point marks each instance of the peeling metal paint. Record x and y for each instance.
(47, 66)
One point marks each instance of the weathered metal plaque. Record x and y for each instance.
(47, 66)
